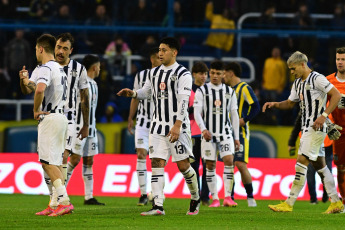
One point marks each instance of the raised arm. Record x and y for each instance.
(26, 85)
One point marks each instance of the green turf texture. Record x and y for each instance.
(17, 211)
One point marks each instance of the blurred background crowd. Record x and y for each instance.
(117, 29)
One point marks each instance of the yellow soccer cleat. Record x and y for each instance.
(335, 207)
(282, 207)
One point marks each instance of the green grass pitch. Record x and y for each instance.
(17, 211)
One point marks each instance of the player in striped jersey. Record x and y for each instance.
(213, 104)
(77, 81)
(142, 127)
(50, 96)
(170, 87)
(338, 116)
(248, 108)
(87, 147)
(310, 89)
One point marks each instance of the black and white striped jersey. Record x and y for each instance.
(165, 85)
(53, 75)
(215, 103)
(312, 97)
(93, 98)
(145, 107)
(77, 80)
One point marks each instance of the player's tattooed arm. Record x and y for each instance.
(27, 86)
(85, 109)
(31, 85)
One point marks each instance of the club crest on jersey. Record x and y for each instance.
(308, 87)
(173, 77)
(227, 96)
(162, 86)
(217, 103)
(74, 73)
(301, 97)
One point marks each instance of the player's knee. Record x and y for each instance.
(183, 165)
(74, 159)
(157, 163)
(210, 165)
(87, 160)
(141, 153)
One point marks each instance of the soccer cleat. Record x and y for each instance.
(335, 207)
(45, 212)
(251, 202)
(193, 207)
(228, 202)
(62, 210)
(92, 201)
(313, 202)
(142, 200)
(154, 211)
(205, 202)
(215, 204)
(282, 207)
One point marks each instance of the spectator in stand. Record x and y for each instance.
(63, 16)
(111, 114)
(17, 53)
(41, 10)
(97, 41)
(221, 42)
(117, 51)
(140, 14)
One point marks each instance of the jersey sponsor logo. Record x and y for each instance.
(162, 86)
(217, 103)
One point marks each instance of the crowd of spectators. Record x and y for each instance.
(117, 45)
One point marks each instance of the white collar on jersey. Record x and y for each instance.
(165, 68)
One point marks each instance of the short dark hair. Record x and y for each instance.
(199, 67)
(47, 41)
(89, 60)
(218, 65)
(341, 50)
(235, 67)
(66, 37)
(172, 42)
(153, 51)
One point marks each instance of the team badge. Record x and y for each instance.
(173, 77)
(74, 73)
(217, 103)
(162, 86)
(307, 87)
(227, 96)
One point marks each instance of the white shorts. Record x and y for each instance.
(52, 131)
(71, 133)
(87, 147)
(209, 149)
(160, 147)
(142, 138)
(311, 144)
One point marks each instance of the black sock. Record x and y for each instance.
(249, 190)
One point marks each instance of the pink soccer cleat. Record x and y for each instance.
(228, 202)
(45, 212)
(215, 204)
(62, 210)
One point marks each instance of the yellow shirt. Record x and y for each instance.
(222, 41)
(274, 74)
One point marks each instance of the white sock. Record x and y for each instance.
(142, 173)
(212, 183)
(297, 184)
(61, 192)
(192, 182)
(53, 202)
(64, 172)
(157, 185)
(70, 169)
(328, 182)
(228, 178)
(88, 181)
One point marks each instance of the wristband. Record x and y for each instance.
(134, 94)
(324, 114)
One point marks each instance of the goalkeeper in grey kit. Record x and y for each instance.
(310, 89)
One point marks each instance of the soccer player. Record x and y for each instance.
(49, 99)
(199, 72)
(216, 101)
(77, 81)
(248, 108)
(338, 115)
(310, 89)
(169, 85)
(142, 127)
(87, 147)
